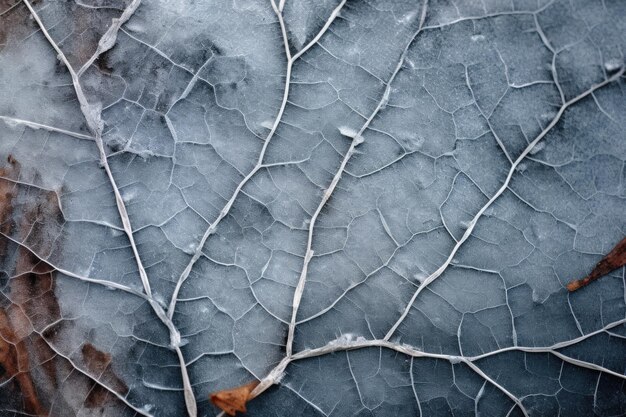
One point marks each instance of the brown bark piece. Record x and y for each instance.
(234, 399)
(615, 259)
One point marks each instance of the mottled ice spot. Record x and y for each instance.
(521, 168)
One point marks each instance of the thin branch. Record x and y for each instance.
(500, 387)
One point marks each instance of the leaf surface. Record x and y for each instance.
(371, 207)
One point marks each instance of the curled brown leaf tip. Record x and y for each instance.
(615, 259)
(234, 399)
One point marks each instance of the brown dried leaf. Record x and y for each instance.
(615, 259)
(234, 399)
(29, 304)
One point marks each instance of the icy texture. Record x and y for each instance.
(373, 207)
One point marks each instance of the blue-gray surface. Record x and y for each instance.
(371, 206)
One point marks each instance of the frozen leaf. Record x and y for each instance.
(370, 207)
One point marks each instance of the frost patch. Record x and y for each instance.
(613, 65)
(347, 339)
(537, 148)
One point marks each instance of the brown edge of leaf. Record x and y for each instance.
(233, 400)
(615, 259)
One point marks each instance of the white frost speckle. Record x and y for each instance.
(135, 27)
(537, 148)
(128, 195)
(190, 249)
(159, 299)
(268, 124)
(476, 38)
(407, 18)
(10, 123)
(420, 276)
(345, 339)
(347, 131)
(536, 298)
(612, 65)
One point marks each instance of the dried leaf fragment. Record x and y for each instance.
(233, 399)
(615, 259)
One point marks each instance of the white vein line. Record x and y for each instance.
(329, 21)
(358, 138)
(259, 165)
(34, 125)
(500, 387)
(10, 8)
(92, 116)
(417, 400)
(505, 185)
(110, 36)
(413, 352)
